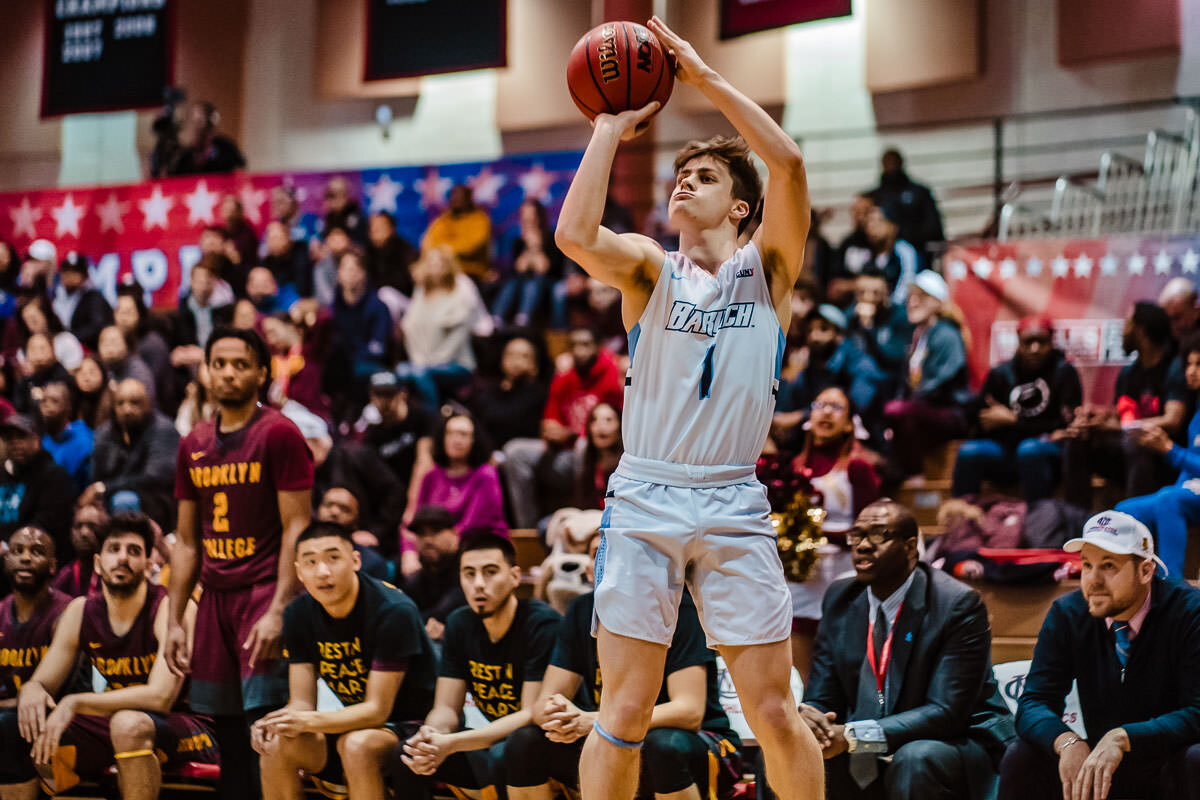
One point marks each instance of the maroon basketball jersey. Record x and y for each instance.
(233, 479)
(122, 660)
(22, 644)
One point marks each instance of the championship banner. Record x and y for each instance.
(1087, 286)
(407, 38)
(151, 229)
(739, 17)
(105, 55)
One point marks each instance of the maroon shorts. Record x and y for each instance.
(85, 751)
(223, 683)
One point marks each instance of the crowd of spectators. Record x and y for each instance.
(422, 379)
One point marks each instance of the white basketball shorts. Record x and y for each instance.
(653, 532)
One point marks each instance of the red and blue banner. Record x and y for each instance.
(151, 229)
(1087, 286)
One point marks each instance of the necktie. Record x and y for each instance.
(880, 634)
(864, 767)
(1121, 632)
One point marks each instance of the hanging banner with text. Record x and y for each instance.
(105, 55)
(1087, 286)
(407, 38)
(151, 230)
(747, 16)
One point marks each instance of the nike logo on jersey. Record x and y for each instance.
(94, 645)
(197, 456)
(687, 318)
(675, 277)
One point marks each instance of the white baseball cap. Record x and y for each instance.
(932, 284)
(43, 250)
(1118, 533)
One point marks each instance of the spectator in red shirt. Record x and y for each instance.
(548, 465)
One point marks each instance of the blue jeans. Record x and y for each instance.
(432, 380)
(529, 288)
(1167, 513)
(1034, 465)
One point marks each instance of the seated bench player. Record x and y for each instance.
(690, 750)
(365, 639)
(138, 721)
(497, 648)
(28, 618)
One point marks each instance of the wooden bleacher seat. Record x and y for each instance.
(1016, 613)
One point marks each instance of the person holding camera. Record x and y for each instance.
(901, 695)
(187, 142)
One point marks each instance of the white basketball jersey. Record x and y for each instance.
(704, 364)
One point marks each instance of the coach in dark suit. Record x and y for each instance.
(901, 695)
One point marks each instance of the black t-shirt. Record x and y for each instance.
(383, 632)
(495, 671)
(396, 442)
(513, 413)
(575, 652)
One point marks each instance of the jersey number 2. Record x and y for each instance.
(220, 513)
(706, 374)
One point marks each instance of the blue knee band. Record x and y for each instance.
(614, 741)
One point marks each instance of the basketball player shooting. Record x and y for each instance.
(706, 336)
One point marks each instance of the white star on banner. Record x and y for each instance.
(252, 202)
(1083, 266)
(110, 213)
(958, 269)
(24, 217)
(536, 183)
(1162, 263)
(1008, 269)
(66, 217)
(155, 209)
(1060, 267)
(1108, 264)
(983, 267)
(200, 204)
(1033, 267)
(1136, 264)
(486, 186)
(1190, 261)
(433, 189)
(383, 193)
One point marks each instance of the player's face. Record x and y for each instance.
(703, 195)
(235, 376)
(1112, 583)
(29, 562)
(121, 563)
(487, 580)
(327, 566)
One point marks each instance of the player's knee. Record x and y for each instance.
(524, 743)
(131, 730)
(626, 718)
(364, 748)
(665, 744)
(770, 714)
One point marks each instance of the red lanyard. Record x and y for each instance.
(881, 670)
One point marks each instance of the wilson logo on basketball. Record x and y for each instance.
(610, 68)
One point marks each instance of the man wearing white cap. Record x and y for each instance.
(1131, 641)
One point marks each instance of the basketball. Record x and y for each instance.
(616, 67)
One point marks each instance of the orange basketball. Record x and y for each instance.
(618, 66)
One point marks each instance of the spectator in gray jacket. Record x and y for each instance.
(133, 459)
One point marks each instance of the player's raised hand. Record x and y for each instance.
(266, 637)
(628, 124)
(689, 67)
(32, 703)
(176, 651)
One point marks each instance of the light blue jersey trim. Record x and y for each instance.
(780, 346)
(634, 333)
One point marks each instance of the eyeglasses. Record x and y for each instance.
(825, 405)
(876, 535)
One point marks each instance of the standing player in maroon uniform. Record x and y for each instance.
(28, 618)
(244, 485)
(137, 721)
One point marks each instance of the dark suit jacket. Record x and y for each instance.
(940, 677)
(183, 323)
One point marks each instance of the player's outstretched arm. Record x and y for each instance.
(627, 261)
(784, 228)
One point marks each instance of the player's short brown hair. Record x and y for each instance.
(734, 153)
